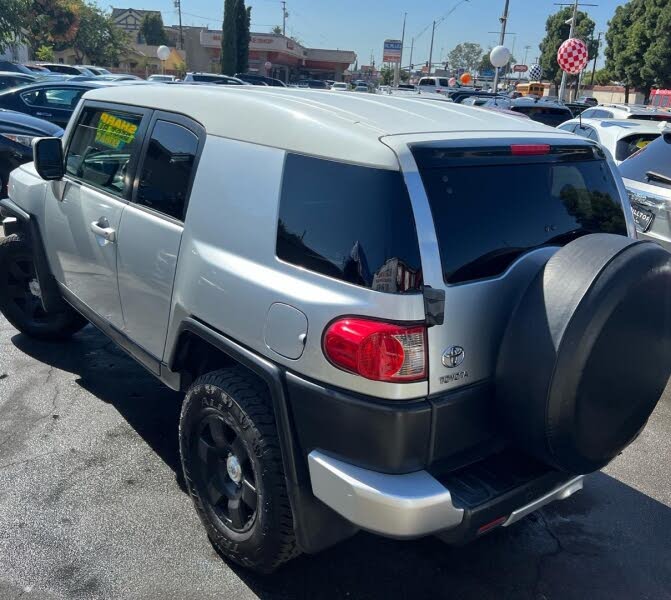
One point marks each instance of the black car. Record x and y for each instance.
(213, 78)
(53, 101)
(17, 131)
(548, 113)
(12, 79)
(459, 96)
(6, 65)
(260, 80)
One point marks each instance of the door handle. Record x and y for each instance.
(43, 114)
(101, 227)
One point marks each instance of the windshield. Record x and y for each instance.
(487, 215)
(655, 157)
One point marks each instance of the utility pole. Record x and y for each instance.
(284, 18)
(178, 6)
(397, 70)
(433, 31)
(598, 43)
(412, 47)
(504, 20)
(526, 52)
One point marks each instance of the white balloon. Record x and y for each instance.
(163, 52)
(499, 56)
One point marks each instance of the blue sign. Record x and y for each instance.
(487, 73)
(460, 71)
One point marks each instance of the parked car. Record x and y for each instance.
(647, 178)
(67, 69)
(12, 67)
(260, 80)
(337, 378)
(458, 95)
(12, 79)
(162, 78)
(50, 100)
(37, 69)
(17, 131)
(626, 111)
(361, 88)
(620, 137)
(590, 100)
(119, 77)
(548, 113)
(315, 84)
(340, 86)
(213, 78)
(439, 85)
(95, 70)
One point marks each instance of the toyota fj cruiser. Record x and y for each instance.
(406, 317)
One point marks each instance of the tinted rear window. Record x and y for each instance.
(545, 114)
(655, 158)
(630, 144)
(645, 117)
(350, 223)
(487, 215)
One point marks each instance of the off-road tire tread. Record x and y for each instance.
(251, 396)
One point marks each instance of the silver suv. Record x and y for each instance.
(401, 316)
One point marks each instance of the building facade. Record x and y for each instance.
(130, 20)
(270, 54)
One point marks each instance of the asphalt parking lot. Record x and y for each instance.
(92, 505)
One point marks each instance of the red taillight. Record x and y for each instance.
(529, 149)
(376, 350)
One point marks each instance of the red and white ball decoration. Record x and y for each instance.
(572, 56)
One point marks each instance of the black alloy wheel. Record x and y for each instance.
(226, 473)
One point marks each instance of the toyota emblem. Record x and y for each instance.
(453, 357)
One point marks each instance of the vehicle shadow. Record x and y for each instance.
(609, 541)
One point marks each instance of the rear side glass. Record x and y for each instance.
(349, 222)
(632, 143)
(655, 157)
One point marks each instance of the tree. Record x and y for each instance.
(97, 38)
(601, 77)
(229, 53)
(638, 51)
(12, 18)
(45, 53)
(277, 30)
(465, 56)
(152, 30)
(556, 32)
(243, 19)
(387, 75)
(52, 22)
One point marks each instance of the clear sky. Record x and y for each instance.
(363, 25)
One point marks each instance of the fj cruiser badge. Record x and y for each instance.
(453, 357)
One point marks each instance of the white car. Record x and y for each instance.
(626, 111)
(162, 78)
(361, 88)
(340, 86)
(439, 85)
(619, 136)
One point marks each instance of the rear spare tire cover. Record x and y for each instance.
(587, 351)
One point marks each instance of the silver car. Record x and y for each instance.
(386, 313)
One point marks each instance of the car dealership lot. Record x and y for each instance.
(92, 505)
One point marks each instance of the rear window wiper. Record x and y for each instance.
(653, 175)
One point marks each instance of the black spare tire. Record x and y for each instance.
(587, 351)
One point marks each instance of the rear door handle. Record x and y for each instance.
(101, 227)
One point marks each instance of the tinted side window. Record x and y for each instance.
(64, 98)
(166, 171)
(102, 147)
(427, 82)
(349, 222)
(653, 158)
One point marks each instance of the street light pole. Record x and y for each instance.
(397, 70)
(504, 20)
(562, 88)
(178, 6)
(526, 52)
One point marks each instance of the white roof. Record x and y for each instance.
(616, 129)
(345, 127)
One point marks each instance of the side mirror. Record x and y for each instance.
(48, 157)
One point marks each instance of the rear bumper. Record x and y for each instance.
(417, 504)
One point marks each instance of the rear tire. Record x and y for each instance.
(20, 302)
(233, 469)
